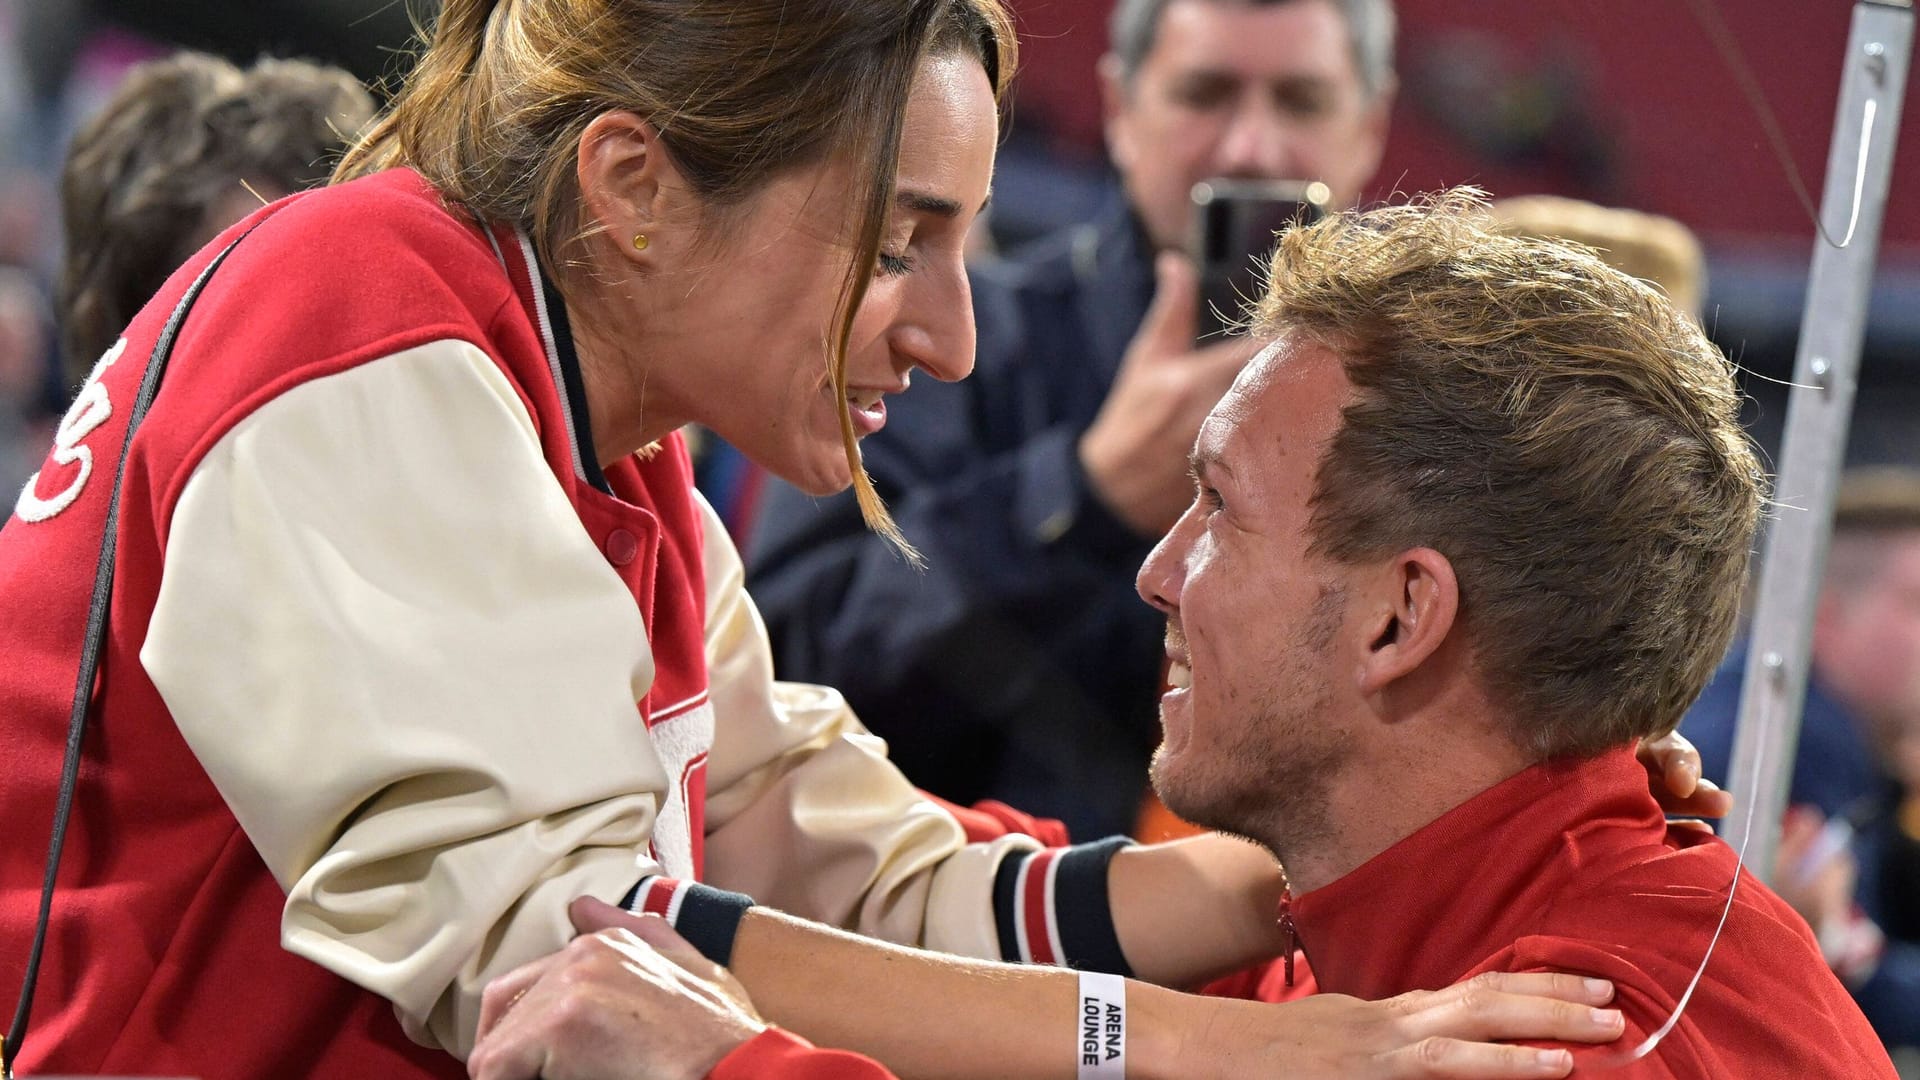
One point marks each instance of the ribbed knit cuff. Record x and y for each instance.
(1051, 907)
(707, 917)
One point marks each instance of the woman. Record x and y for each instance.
(408, 536)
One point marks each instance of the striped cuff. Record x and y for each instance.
(707, 917)
(1051, 907)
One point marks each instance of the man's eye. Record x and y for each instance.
(895, 265)
(1203, 93)
(1210, 498)
(1305, 104)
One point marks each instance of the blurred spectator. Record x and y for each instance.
(1021, 665)
(368, 37)
(26, 339)
(1848, 845)
(185, 147)
(1878, 944)
(1655, 249)
(1899, 862)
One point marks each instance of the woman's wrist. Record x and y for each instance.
(1176, 1036)
(1195, 909)
(1156, 1019)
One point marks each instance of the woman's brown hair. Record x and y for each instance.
(493, 112)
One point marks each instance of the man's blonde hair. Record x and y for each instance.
(1557, 429)
(1658, 250)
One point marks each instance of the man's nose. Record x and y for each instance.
(1164, 573)
(1256, 144)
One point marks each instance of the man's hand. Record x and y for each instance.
(1135, 453)
(1673, 770)
(632, 1003)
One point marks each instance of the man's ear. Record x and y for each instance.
(625, 177)
(1113, 111)
(1419, 605)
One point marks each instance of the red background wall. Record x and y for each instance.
(1659, 104)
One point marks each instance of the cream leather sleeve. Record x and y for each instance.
(806, 814)
(412, 675)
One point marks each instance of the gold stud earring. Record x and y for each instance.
(640, 241)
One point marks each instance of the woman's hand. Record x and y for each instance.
(637, 1004)
(1424, 1034)
(1673, 771)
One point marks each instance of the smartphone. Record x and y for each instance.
(1235, 223)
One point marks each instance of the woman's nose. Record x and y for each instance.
(936, 331)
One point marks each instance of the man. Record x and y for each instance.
(1476, 521)
(1862, 708)
(1020, 665)
(1415, 625)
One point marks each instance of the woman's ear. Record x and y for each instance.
(1421, 603)
(625, 177)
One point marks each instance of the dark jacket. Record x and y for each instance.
(1020, 665)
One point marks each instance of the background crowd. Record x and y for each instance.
(1023, 486)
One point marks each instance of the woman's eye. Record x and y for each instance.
(892, 265)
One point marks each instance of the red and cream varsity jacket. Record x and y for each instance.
(395, 671)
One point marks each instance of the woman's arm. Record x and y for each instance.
(927, 1015)
(641, 1004)
(411, 675)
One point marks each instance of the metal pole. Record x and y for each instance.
(1866, 127)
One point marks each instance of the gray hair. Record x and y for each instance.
(1370, 27)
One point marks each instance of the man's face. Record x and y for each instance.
(1250, 735)
(1867, 643)
(1233, 89)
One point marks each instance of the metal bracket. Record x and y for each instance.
(1819, 410)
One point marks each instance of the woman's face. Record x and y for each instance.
(767, 314)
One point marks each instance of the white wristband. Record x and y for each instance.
(1100, 1042)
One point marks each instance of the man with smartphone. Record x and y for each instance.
(1020, 665)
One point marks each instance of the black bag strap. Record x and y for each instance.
(90, 659)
